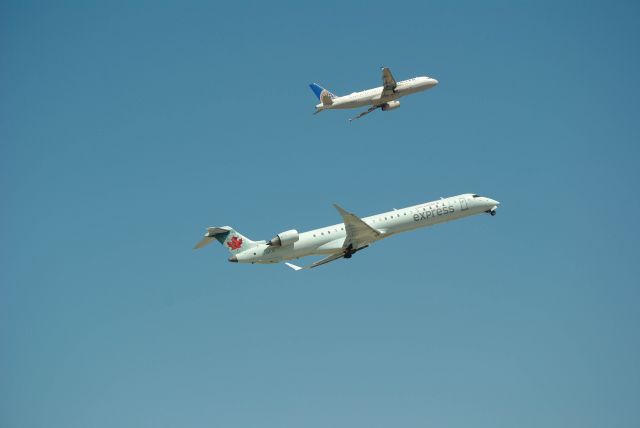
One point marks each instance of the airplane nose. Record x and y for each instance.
(233, 259)
(494, 202)
(434, 82)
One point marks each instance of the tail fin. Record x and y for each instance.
(325, 97)
(227, 236)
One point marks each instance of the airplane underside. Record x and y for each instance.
(384, 97)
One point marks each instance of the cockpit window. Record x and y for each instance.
(475, 196)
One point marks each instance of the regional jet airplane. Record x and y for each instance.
(344, 239)
(384, 97)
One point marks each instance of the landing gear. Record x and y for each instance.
(348, 252)
(492, 211)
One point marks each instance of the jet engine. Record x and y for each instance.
(390, 105)
(284, 238)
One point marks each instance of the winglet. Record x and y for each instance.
(294, 267)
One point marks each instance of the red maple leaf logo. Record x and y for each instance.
(235, 243)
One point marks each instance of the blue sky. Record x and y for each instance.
(126, 128)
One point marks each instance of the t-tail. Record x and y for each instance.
(325, 97)
(227, 236)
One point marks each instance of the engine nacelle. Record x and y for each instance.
(390, 105)
(285, 238)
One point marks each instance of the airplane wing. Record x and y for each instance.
(332, 257)
(388, 82)
(364, 112)
(359, 236)
(359, 233)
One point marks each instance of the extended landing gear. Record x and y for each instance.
(492, 211)
(350, 251)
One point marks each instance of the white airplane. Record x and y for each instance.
(344, 239)
(384, 97)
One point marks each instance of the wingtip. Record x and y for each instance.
(294, 267)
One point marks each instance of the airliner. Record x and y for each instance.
(344, 239)
(383, 97)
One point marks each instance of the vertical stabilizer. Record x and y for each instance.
(325, 97)
(227, 236)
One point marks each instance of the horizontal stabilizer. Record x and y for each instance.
(212, 232)
(205, 241)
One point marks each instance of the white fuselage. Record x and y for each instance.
(330, 239)
(374, 96)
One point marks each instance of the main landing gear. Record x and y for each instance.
(350, 251)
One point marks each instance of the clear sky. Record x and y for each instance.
(128, 127)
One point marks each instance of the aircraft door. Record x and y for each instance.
(463, 204)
